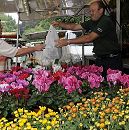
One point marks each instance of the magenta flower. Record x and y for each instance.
(71, 83)
(2, 76)
(22, 82)
(95, 80)
(85, 75)
(124, 80)
(113, 76)
(16, 85)
(72, 70)
(4, 87)
(95, 69)
(10, 78)
(42, 80)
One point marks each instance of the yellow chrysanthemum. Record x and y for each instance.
(48, 127)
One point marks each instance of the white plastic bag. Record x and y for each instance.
(50, 53)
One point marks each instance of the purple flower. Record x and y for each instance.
(71, 83)
(113, 76)
(42, 80)
(4, 87)
(95, 80)
(124, 80)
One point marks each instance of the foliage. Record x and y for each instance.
(7, 104)
(28, 88)
(9, 24)
(99, 111)
(50, 98)
(37, 26)
(43, 25)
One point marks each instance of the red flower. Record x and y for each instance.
(58, 74)
(16, 68)
(23, 76)
(20, 93)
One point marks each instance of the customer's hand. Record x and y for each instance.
(61, 43)
(39, 47)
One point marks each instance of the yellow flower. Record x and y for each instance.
(102, 125)
(25, 111)
(107, 99)
(93, 119)
(48, 127)
(57, 116)
(7, 124)
(52, 113)
(29, 127)
(80, 124)
(107, 122)
(15, 112)
(122, 123)
(126, 111)
(50, 110)
(102, 114)
(97, 124)
(103, 106)
(44, 121)
(127, 116)
(84, 115)
(21, 124)
(20, 110)
(53, 122)
(9, 128)
(13, 125)
(91, 127)
(39, 112)
(69, 118)
(114, 117)
(47, 115)
(121, 114)
(83, 99)
(4, 128)
(17, 115)
(24, 116)
(95, 109)
(34, 129)
(42, 108)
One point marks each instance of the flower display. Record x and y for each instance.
(97, 112)
(44, 118)
(73, 97)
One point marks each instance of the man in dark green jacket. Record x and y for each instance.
(102, 32)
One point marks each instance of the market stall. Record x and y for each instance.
(61, 97)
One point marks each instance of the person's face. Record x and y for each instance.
(0, 28)
(95, 11)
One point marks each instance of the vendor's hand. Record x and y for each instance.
(40, 47)
(55, 23)
(61, 43)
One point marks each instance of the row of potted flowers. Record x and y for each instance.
(96, 113)
(28, 88)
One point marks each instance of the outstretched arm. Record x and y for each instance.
(24, 51)
(80, 40)
(68, 26)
